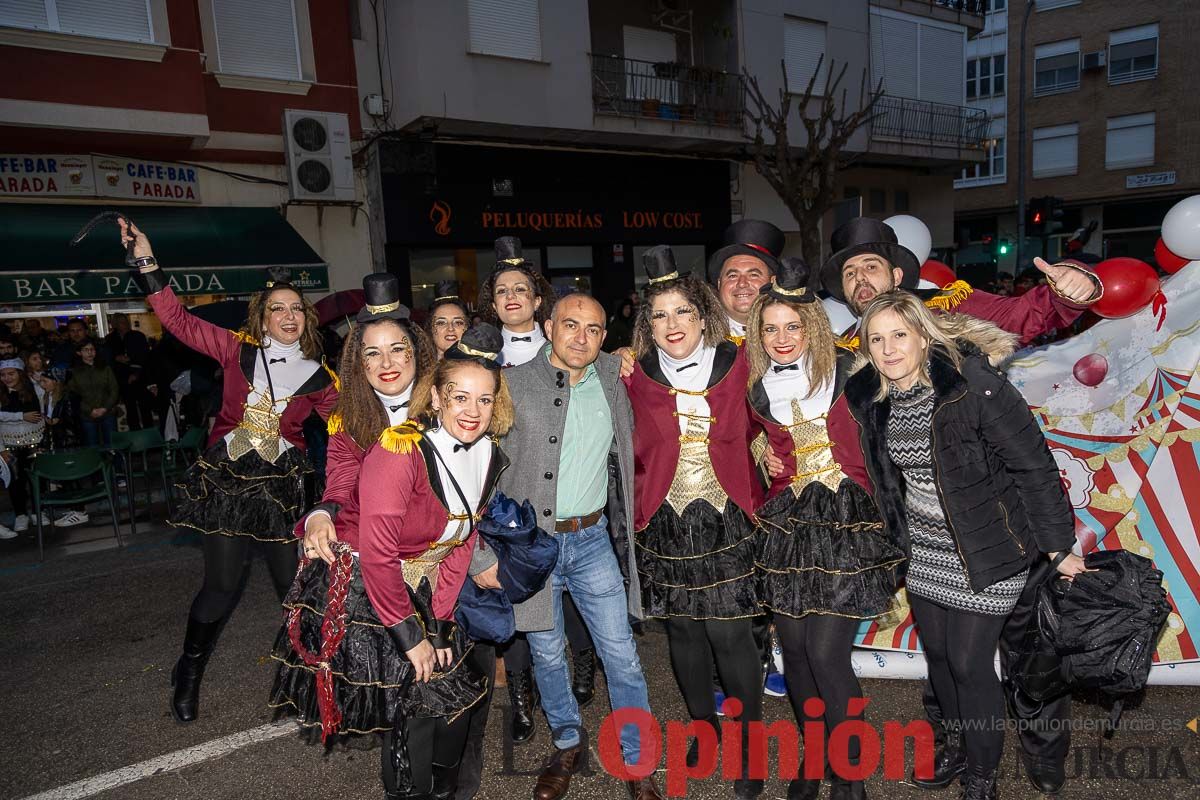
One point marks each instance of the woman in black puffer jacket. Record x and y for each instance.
(963, 475)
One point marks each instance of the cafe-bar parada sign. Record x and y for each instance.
(98, 176)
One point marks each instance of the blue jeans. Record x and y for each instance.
(587, 568)
(98, 431)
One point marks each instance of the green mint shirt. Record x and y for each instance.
(583, 459)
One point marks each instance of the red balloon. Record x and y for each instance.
(939, 273)
(1090, 370)
(1129, 285)
(1169, 262)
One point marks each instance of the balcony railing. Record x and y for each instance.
(923, 122)
(626, 87)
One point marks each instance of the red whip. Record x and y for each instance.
(333, 629)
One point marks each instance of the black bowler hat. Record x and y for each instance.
(659, 263)
(748, 237)
(508, 255)
(481, 344)
(866, 235)
(445, 292)
(791, 282)
(382, 292)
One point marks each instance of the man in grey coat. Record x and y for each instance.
(572, 453)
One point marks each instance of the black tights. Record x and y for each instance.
(960, 649)
(816, 663)
(18, 487)
(433, 744)
(696, 645)
(224, 565)
(517, 657)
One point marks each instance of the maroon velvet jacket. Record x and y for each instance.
(237, 354)
(656, 433)
(343, 463)
(402, 511)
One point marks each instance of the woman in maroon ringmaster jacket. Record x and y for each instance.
(249, 484)
(695, 492)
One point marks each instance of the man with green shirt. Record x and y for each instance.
(572, 450)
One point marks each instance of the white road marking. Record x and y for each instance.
(166, 763)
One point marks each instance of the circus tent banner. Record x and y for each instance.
(1120, 407)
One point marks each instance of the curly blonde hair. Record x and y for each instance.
(696, 293)
(256, 320)
(819, 348)
(441, 376)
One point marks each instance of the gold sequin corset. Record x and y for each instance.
(813, 451)
(694, 476)
(258, 431)
(426, 564)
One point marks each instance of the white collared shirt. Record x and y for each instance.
(692, 379)
(736, 328)
(517, 353)
(469, 467)
(399, 414)
(287, 376)
(784, 386)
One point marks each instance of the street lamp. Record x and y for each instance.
(1021, 140)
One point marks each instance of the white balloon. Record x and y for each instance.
(1181, 228)
(913, 234)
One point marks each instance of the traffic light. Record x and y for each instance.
(1035, 216)
(1002, 247)
(1054, 214)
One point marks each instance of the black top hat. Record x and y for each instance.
(481, 344)
(791, 282)
(659, 262)
(866, 235)
(277, 275)
(382, 293)
(445, 292)
(508, 255)
(748, 237)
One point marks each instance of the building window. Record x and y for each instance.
(257, 38)
(128, 20)
(877, 201)
(1046, 5)
(1056, 150)
(901, 201)
(995, 5)
(1133, 54)
(985, 77)
(991, 170)
(927, 64)
(1056, 67)
(1129, 141)
(510, 28)
(803, 47)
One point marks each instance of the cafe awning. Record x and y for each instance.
(205, 250)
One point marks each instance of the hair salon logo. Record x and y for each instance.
(439, 215)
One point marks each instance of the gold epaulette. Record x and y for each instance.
(738, 340)
(401, 438)
(950, 296)
(337, 384)
(848, 343)
(245, 338)
(334, 424)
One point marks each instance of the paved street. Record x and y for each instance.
(90, 638)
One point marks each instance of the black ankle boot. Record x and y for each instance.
(583, 683)
(445, 782)
(841, 789)
(802, 788)
(693, 753)
(948, 763)
(979, 784)
(198, 644)
(521, 695)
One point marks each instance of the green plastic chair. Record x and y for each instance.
(180, 454)
(72, 465)
(140, 444)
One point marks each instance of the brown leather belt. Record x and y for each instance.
(576, 524)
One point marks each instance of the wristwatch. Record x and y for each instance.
(145, 263)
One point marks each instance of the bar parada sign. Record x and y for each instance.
(101, 285)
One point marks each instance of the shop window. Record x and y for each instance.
(1056, 67)
(510, 28)
(127, 20)
(1129, 141)
(467, 266)
(257, 38)
(1133, 54)
(1056, 151)
(803, 48)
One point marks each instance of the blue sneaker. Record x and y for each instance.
(720, 698)
(775, 685)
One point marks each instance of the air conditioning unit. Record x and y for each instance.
(1093, 61)
(319, 162)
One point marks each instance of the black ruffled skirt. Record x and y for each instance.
(825, 552)
(248, 497)
(372, 679)
(698, 565)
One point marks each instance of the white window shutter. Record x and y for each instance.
(942, 65)
(24, 14)
(505, 28)
(1056, 150)
(803, 46)
(899, 45)
(1129, 141)
(112, 19)
(257, 37)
